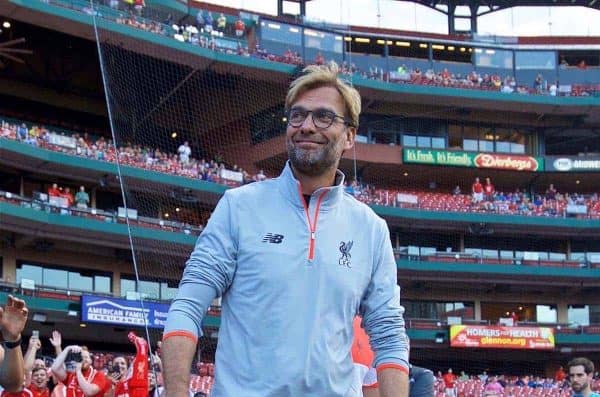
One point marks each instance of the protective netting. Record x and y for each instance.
(201, 109)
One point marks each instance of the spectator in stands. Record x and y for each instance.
(68, 196)
(39, 382)
(320, 59)
(581, 376)
(456, 191)
(13, 317)
(323, 113)
(493, 388)
(22, 132)
(489, 190)
(477, 191)
(138, 6)
(538, 84)
(81, 379)
(82, 199)
(221, 23)
(551, 192)
(449, 379)
(54, 191)
(463, 376)
(184, 152)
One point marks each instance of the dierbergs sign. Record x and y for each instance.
(514, 162)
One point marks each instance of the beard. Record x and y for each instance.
(313, 162)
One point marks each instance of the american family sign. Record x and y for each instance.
(570, 164)
(105, 310)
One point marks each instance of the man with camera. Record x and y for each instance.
(73, 367)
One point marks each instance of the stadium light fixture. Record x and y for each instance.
(423, 45)
(463, 49)
(6, 25)
(450, 48)
(405, 174)
(166, 214)
(83, 325)
(380, 41)
(174, 135)
(338, 38)
(438, 47)
(362, 40)
(577, 182)
(177, 209)
(274, 26)
(294, 30)
(403, 44)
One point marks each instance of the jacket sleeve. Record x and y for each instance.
(208, 272)
(381, 310)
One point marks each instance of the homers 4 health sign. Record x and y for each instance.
(496, 337)
(514, 162)
(99, 309)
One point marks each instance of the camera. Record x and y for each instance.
(74, 357)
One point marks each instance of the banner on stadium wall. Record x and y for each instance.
(570, 164)
(497, 337)
(105, 310)
(514, 162)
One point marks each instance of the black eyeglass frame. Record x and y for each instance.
(347, 122)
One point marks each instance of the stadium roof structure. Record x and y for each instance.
(478, 8)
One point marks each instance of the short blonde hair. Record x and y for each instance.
(317, 76)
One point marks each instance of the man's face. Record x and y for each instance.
(86, 360)
(313, 151)
(120, 365)
(580, 381)
(39, 378)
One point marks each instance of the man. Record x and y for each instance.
(477, 191)
(184, 152)
(449, 383)
(81, 379)
(39, 382)
(82, 199)
(581, 375)
(295, 259)
(13, 317)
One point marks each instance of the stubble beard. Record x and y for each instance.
(312, 162)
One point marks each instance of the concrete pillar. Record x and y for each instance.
(562, 313)
(477, 309)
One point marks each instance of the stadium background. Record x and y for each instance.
(147, 80)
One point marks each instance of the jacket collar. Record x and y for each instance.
(291, 189)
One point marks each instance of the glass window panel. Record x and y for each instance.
(424, 141)
(517, 148)
(543, 256)
(470, 145)
(150, 289)
(557, 256)
(578, 256)
(102, 284)
(486, 146)
(281, 32)
(503, 147)
(506, 254)
(428, 250)
(578, 315)
(473, 251)
(127, 286)
(545, 314)
(438, 143)
(535, 60)
(493, 58)
(79, 282)
(29, 272)
(166, 292)
(490, 254)
(55, 278)
(409, 140)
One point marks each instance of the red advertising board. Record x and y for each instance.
(496, 337)
(507, 162)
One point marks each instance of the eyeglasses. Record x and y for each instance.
(321, 118)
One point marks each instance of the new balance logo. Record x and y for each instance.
(272, 238)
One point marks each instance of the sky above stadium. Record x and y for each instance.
(402, 15)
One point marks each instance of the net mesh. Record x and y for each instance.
(199, 121)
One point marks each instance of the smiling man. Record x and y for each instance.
(581, 376)
(295, 259)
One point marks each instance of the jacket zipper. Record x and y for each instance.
(312, 226)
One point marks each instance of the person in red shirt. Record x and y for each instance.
(68, 196)
(489, 190)
(560, 374)
(54, 190)
(23, 393)
(81, 380)
(477, 190)
(449, 383)
(39, 382)
(135, 383)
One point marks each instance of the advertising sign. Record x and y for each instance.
(570, 164)
(514, 162)
(105, 310)
(498, 337)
